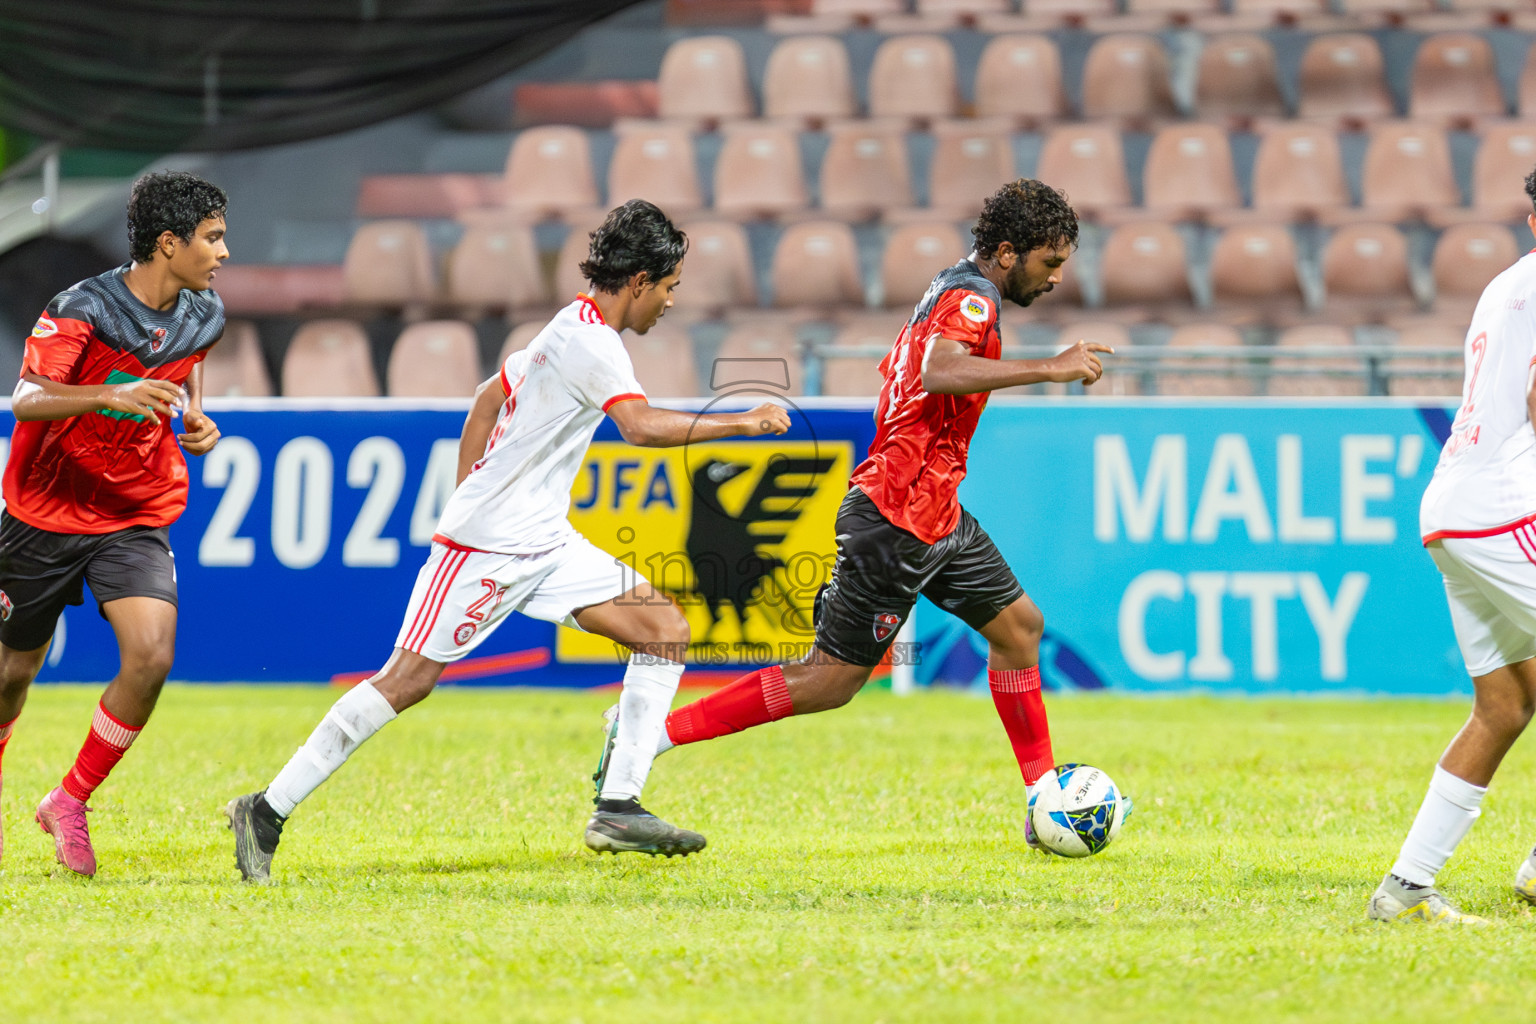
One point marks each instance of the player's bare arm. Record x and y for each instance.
(949, 368)
(489, 398)
(649, 426)
(39, 398)
(201, 433)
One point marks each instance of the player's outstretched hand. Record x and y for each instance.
(766, 419)
(202, 433)
(1080, 363)
(150, 398)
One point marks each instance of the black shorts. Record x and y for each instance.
(42, 571)
(881, 569)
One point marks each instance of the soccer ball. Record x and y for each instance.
(1081, 814)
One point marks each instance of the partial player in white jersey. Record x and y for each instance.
(504, 543)
(1478, 520)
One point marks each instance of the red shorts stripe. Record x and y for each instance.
(1527, 542)
(437, 576)
(1492, 531)
(459, 558)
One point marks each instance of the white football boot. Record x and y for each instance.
(1394, 901)
(1525, 879)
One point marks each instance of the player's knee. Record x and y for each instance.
(149, 664)
(16, 674)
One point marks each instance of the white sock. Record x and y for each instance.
(643, 706)
(1449, 809)
(664, 742)
(361, 712)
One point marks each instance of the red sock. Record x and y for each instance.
(104, 747)
(5, 735)
(754, 699)
(1016, 692)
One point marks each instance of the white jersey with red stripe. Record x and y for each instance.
(517, 497)
(1485, 481)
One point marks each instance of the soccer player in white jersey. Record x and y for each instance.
(504, 543)
(1478, 520)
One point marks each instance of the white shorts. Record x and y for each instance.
(461, 595)
(1490, 583)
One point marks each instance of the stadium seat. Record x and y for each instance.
(1316, 376)
(495, 267)
(1177, 11)
(913, 78)
(426, 195)
(864, 172)
(1238, 79)
(329, 359)
(1189, 172)
(758, 172)
(549, 174)
(435, 359)
(1428, 377)
(1387, 12)
(1466, 258)
(1280, 9)
(808, 80)
(235, 366)
(1525, 98)
(519, 338)
(655, 161)
(1365, 273)
(969, 164)
(1253, 273)
(1505, 156)
(569, 280)
(1089, 159)
(663, 362)
(389, 264)
(1119, 379)
(1298, 172)
(1407, 172)
(760, 356)
(249, 289)
(816, 264)
(1126, 77)
(1143, 265)
(1019, 77)
(1203, 375)
(1343, 78)
(703, 81)
(913, 255)
(717, 272)
(859, 376)
(1454, 80)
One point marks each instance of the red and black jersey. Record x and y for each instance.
(917, 460)
(106, 471)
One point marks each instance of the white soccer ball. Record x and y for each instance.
(1079, 815)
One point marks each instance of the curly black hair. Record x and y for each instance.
(1530, 188)
(174, 201)
(1028, 213)
(636, 237)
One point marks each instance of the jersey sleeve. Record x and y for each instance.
(598, 370)
(54, 348)
(513, 368)
(967, 317)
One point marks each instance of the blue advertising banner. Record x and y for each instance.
(1248, 547)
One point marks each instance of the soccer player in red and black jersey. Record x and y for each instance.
(95, 477)
(901, 531)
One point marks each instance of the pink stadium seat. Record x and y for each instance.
(329, 359)
(1019, 77)
(1176, 9)
(235, 366)
(913, 77)
(703, 80)
(1144, 265)
(549, 173)
(762, 355)
(717, 272)
(435, 359)
(519, 338)
(389, 264)
(1466, 258)
(1127, 77)
(969, 164)
(859, 376)
(654, 161)
(1298, 172)
(569, 280)
(426, 195)
(1454, 80)
(1407, 172)
(1343, 78)
(864, 172)
(1391, 11)
(1280, 8)
(913, 255)
(1319, 376)
(250, 289)
(1507, 154)
(1253, 272)
(1189, 172)
(1365, 273)
(496, 267)
(663, 361)
(1221, 377)
(1088, 160)
(1526, 90)
(817, 264)
(758, 172)
(808, 79)
(1238, 79)
(1436, 377)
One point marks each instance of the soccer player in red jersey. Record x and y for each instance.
(95, 479)
(901, 531)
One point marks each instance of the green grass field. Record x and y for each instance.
(864, 865)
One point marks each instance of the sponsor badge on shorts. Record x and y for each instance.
(974, 307)
(44, 328)
(886, 623)
(462, 635)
